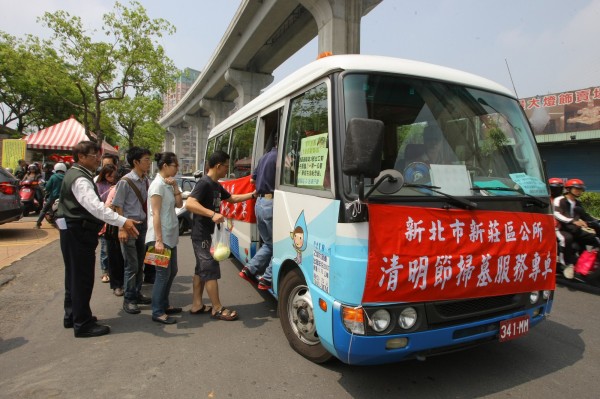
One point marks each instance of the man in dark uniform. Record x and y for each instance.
(81, 215)
(264, 178)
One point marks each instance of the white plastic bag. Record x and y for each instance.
(219, 247)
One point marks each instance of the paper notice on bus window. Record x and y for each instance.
(531, 185)
(313, 160)
(452, 179)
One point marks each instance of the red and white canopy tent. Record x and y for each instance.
(62, 137)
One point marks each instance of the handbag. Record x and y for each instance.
(585, 263)
(219, 247)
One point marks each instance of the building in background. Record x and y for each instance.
(567, 130)
(187, 158)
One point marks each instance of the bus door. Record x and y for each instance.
(305, 211)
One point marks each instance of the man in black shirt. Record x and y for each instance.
(205, 203)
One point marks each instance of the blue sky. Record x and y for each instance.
(550, 45)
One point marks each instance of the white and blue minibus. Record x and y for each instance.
(411, 214)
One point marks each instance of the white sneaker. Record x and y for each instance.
(569, 272)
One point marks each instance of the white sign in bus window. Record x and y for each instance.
(313, 160)
(452, 179)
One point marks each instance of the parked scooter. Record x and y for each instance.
(29, 193)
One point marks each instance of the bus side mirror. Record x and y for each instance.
(363, 148)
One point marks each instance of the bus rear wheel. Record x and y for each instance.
(297, 318)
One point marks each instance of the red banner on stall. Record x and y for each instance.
(243, 211)
(421, 254)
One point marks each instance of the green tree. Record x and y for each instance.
(27, 98)
(137, 118)
(131, 62)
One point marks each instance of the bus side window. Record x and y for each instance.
(240, 160)
(306, 148)
(222, 142)
(210, 149)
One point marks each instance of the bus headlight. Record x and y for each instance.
(534, 296)
(407, 318)
(380, 320)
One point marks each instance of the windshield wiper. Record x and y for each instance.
(536, 200)
(456, 200)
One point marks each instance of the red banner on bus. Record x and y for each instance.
(243, 211)
(423, 254)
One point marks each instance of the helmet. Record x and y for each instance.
(555, 182)
(556, 186)
(575, 183)
(33, 167)
(60, 167)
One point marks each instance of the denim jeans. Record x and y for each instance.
(103, 255)
(162, 285)
(47, 207)
(264, 222)
(134, 251)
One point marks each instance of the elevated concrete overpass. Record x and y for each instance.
(261, 37)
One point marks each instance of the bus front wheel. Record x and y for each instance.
(297, 318)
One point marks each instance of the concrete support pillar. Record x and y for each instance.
(218, 110)
(169, 143)
(177, 137)
(247, 84)
(200, 124)
(339, 23)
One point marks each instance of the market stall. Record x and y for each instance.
(61, 138)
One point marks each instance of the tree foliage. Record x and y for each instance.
(27, 99)
(591, 203)
(137, 118)
(130, 63)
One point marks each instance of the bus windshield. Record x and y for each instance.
(465, 141)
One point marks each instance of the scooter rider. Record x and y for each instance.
(557, 187)
(33, 177)
(575, 221)
(52, 190)
(563, 238)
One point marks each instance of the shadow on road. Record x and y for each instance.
(477, 372)
(575, 285)
(11, 343)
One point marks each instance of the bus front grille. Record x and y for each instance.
(444, 313)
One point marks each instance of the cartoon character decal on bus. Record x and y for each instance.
(299, 237)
